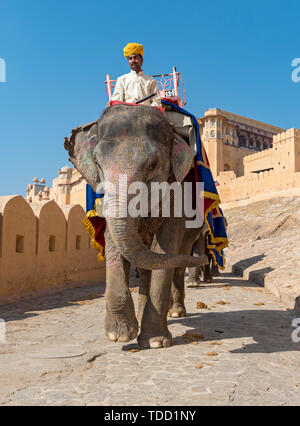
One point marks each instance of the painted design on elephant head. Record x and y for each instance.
(84, 139)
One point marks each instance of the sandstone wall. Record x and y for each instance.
(233, 157)
(42, 248)
(272, 170)
(78, 192)
(258, 161)
(283, 156)
(232, 189)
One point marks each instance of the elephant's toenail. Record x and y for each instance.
(123, 339)
(155, 345)
(112, 337)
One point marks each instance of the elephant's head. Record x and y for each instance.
(140, 142)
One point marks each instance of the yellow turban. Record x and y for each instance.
(133, 49)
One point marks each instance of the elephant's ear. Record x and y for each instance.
(182, 158)
(81, 145)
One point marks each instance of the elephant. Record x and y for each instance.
(139, 142)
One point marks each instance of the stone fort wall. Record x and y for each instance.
(271, 170)
(283, 156)
(43, 247)
(244, 187)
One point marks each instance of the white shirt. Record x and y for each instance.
(134, 86)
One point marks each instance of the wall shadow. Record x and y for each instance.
(271, 330)
(73, 297)
(246, 263)
(223, 280)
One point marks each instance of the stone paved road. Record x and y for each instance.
(264, 245)
(56, 352)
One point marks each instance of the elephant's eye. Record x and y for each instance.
(153, 165)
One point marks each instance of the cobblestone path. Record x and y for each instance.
(239, 351)
(264, 245)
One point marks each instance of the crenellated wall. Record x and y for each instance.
(252, 185)
(43, 247)
(283, 156)
(271, 170)
(259, 161)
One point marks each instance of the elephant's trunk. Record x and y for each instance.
(124, 234)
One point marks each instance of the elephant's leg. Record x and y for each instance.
(198, 250)
(120, 323)
(144, 287)
(215, 270)
(207, 274)
(154, 330)
(177, 308)
(194, 276)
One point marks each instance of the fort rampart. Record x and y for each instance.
(43, 247)
(233, 189)
(271, 170)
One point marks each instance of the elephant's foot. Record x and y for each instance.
(207, 275)
(120, 329)
(177, 311)
(155, 338)
(194, 283)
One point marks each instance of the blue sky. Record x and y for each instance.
(235, 55)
